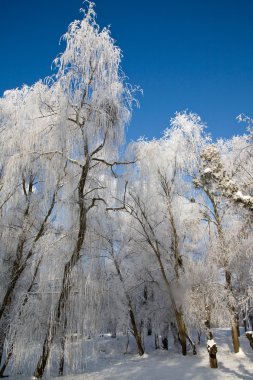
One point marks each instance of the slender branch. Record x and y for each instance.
(75, 162)
(111, 164)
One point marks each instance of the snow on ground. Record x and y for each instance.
(112, 364)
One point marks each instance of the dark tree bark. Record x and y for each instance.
(65, 290)
(157, 345)
(249, 335)
(135, 330)
(149, 327)
(165, 343)
(19, 267)
(113, 328)
(212, 350)
(10, 352)
(234, 319)
(62, 349)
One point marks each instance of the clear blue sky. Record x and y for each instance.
(185, 54)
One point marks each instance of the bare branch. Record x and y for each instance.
(75, 162)
(111, 164)
(93, 203)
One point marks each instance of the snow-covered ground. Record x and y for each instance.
(111, 363)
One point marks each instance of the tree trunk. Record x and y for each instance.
(149, 327)
(249, 335)
(235, 337)
(199, 337)
(182, 331)
(234, 324)
(17, 271)
(154, 244)
(244, 320)
(10, 352)
(19, 267)
(178, 314)
(62, 348)
(47, 346)
(228, 275)
(165, 343)
(174, 331)
(62, 355)
(4, 328)
(209, 334)
(238, 325)
(157, 345)
(53, 325)
(135, 331)
(64, 294)
(127, 343)
(211, 345)
(113, 327)
(7, 359)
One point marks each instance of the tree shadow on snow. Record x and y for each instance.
(243, 372)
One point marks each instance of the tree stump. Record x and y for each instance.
(212, 350)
